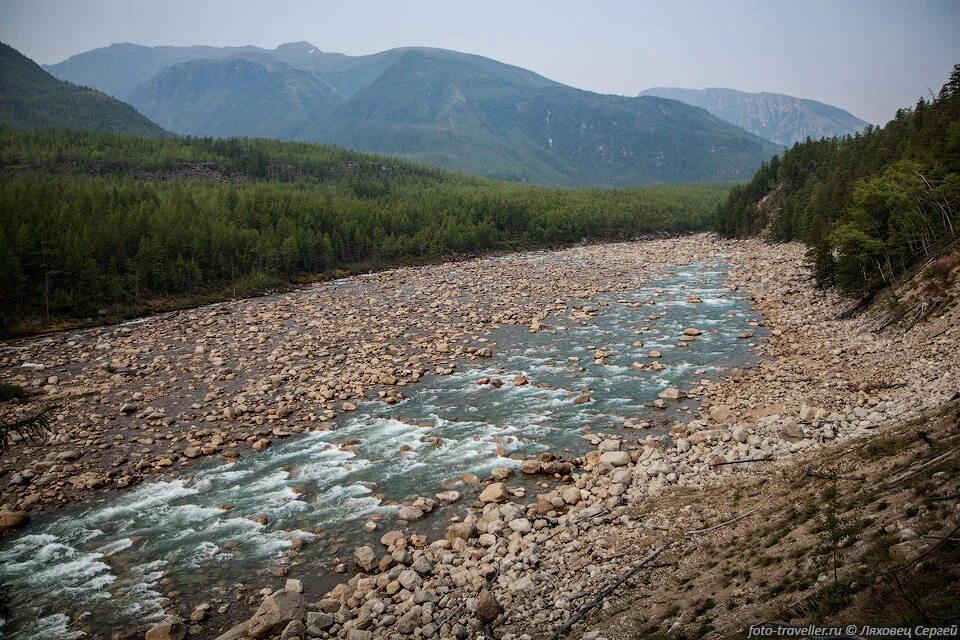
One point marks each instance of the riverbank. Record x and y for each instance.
(741, 471)
(148, 399)
(822, 383)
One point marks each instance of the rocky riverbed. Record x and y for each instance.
(151, 400)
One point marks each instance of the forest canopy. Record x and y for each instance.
(870, 206)
(106, 224)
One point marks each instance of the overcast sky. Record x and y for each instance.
(869, 57)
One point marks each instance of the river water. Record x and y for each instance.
(301, 504)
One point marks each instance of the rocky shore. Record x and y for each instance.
(519, 572)
(145, 400)
(152, 399)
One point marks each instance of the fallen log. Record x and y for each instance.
(731, 521)
(823, 475)
(585, 609)
(743, 460)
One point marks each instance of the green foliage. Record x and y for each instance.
(869, 205)
(831, 600)
(836, 531)
(30, 98)
(96, 223)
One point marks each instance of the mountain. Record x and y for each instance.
(441, 107)
(30, 98)
(773, 116)
(235, 96)
(119, 68)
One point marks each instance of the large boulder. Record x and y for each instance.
(496, 492)
(615, 458)
(170, 628)
(671, 393)
(275, 612)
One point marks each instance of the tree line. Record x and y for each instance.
(870, 205)
(100, 224)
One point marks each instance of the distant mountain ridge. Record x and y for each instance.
(774, 116)
(30, 98)
(455, 110)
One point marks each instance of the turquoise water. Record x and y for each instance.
(93, 569)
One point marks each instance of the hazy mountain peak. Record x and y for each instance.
(774, 116)
(438, 106)
(301, 47)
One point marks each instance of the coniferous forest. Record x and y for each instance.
(870, 206)
(99, 224)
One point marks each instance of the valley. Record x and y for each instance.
(290, 389)
(407, 342)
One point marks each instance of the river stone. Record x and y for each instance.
(320, 620)
(720, 414)
(10, 520)
(276, 610)
(390, 538)
(461, 530)
(171, 628)
(570, 495)
(530, 467)
(408, 622)
(410, 514)
(671, 393)
(610, 444)
(488, 609)
(500, 473)
(365, 558)
(448, 497)
(496, 492)
(409, 579)
(615, 458)
(791, 431)
(521, 525)
(294, 629)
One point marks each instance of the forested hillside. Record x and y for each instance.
(108, 224)
(871, 205)
(30, 98)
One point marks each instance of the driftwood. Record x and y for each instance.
(743, 460)
(951, 496)
(732, 520)
(919, 469)
(823, 475)
(585, 609)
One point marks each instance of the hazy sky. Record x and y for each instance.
(870, 57)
